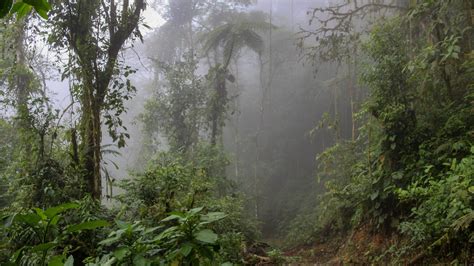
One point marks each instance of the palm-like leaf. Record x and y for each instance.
(214, 38)
(242, 32)
(252, 40)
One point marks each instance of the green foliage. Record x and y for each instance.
(23, 7)
(305, 221)
(442, 205)
(172, 184)
(277, 257)
(410, 170)
(40, 236)
(177, 108)
(164, 188)
(47, 183)
(237, 34)
(181, 238)
(8, 140)
(195, 241)
(51, 237)
(240, 32)
(120, 92)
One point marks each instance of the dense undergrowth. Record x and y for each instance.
(409, 174)
(157, 220)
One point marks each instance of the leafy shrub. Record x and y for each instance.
(168, 185)
(39, 236)
(441, 204)
(179, 239)
(174, 184)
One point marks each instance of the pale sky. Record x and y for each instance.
(152, 19)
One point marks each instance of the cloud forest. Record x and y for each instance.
(236, 132)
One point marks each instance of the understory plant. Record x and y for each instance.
(182, 238)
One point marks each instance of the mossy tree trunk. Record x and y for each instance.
(97, 32)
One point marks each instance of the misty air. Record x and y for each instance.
(236, 132)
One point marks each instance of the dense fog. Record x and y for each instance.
(196, 132)
(283, 113)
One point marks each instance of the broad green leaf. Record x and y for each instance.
(31, 219)
(151, 230)
(206, 236)
(5, 6)
(56, 261)
(39, 4)
(139, 260)
(173, 230)
(471, 189)
(109, 262)
(121, 253)
(172, 217)
(46, 5)
(40, 213)
(374, 195)
(51, 212)
(186, 249)
(21, 9)
(55, 220)
(122, 224)
(90, 225)
(212, 217)
(69, 261)
(17, 255)
(206, 252)
(43, 247)
(17, 7)
(195, 210)
(110, 240)
(43, 13)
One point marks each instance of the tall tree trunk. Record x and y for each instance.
(214, 119)
(21, 84)
(97, 54)
(91, 133)
(91, 136)
(97, 140)
(21, 76)
(237, 124)
(352, 67)
(218, 104)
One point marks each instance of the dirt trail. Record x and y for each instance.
(355, 248)
(321, 253)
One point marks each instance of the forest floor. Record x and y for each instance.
(319, 253)
(356, 248)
